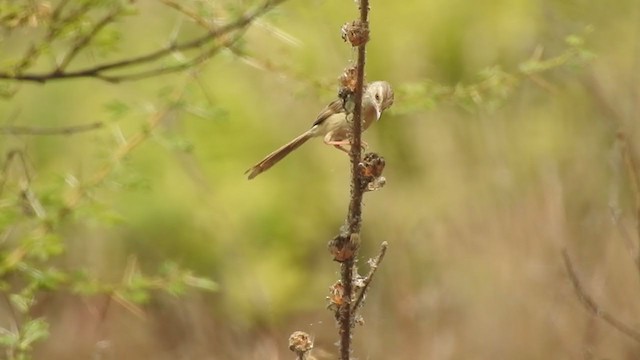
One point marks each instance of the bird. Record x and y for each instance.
(333, 124)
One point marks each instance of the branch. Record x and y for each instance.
(354, 216)
(631, 164)
(591, 305)
(188, 13)
(4, 174)
(84, 41)
(65, 130)
(631, 161)
(171, 69)
(98, 71)
(55, 28)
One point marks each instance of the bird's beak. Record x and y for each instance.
(378, 111)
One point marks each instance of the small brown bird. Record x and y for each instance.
(332, 123)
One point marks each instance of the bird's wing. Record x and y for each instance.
(334, 107)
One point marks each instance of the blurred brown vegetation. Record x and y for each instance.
(486, 185)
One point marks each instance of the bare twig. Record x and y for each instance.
(4, 174)
(171, 69)
(54, 30)
(29, 201)
(592, 306)
(624, 233)
(374, 263)
(631, 161)
(631, 164)
(63, 130)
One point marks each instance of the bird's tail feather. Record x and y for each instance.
(279, 154)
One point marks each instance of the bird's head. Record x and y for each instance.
(382, 95)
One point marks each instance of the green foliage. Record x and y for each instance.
(494, 85)
(20, 344)
(117, 109)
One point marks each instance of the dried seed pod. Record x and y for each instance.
(349, 78)
(300, 342)
(344, 247)
(371, 169)
(336, 296)
(356, 32)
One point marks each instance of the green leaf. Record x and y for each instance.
(8, 338)
(117, 109)
(32, 331)
(202, 283)
(22, 302)
(43, 246)
(138, 295)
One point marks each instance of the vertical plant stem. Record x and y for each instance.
(346, 274)
(355, 206)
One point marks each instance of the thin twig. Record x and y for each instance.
(631, 162)
(249, 60)
(624, 233)
(592, 306)
(58, 10)
(85, 40)
(54, 30)
(172, 69)
(64, 130)
(375, 263)
(4, 174)
(188, 13)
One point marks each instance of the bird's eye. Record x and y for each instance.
(378, 97)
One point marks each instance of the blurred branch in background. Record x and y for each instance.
(62, 130)
(625, 145)
(205, 45)
(592, 306)
(628, 152)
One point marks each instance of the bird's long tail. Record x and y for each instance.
(279, 154)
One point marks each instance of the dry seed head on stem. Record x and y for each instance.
(371, 169)
(355, 32)
(349, 78)
(348, 81)
(343, 247)
(300, 343)
(336, 296)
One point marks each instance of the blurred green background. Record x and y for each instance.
(491, 171)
